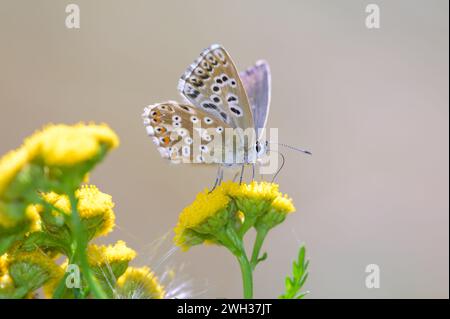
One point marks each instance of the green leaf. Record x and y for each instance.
(294, 284)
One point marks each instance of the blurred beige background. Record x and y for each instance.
(372, 105)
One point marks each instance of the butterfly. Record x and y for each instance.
(218, 100)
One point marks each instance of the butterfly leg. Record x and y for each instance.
(253, 171)
(221, 175)
(242, 174)
(219, 178)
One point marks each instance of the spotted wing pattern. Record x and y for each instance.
(212, 83)
(183, 133)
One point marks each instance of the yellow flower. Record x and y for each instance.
(252, 199)
(93, 205)
(205, 215)
(49, 287)
(10, 165)
(59, 145)
(99, 256)
(33, 269)
(205, 205)
(6, 282)
(283, 204)
(3, 264)
(33, 214)
(139, 283)
(239, 205)
(254, 190)
(63, 145)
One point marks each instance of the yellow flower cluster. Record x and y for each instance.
(33, 214)
(10, 166)
(33, 269)
(139, 283)
(254, 201)
(38, 184)
(57, 145)
(254, 190)
(100, 256)
(61, 145)
(205, 205)
(3, 264)
(91, 204)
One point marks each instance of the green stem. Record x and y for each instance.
(247, 275)
(234, 243)
(259, 240)
(80, 253)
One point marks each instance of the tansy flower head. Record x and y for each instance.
(103, 255)
(30, 270)
(283, 205)
(3, 264)
(63, 145)
(279, 209)
(240, 206)
(255, 198)
(10, 165)
(254, 190)
(95, 208)
(206, 215)
(139, 283)
(33, 214)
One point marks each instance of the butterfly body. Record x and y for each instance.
(219, 122)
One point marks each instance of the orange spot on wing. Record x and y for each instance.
(166, 140)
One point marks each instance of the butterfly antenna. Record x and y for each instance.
(283, 160)
(293, 148)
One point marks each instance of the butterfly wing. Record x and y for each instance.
(212, 83)
(257, 84)
(184, 133)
